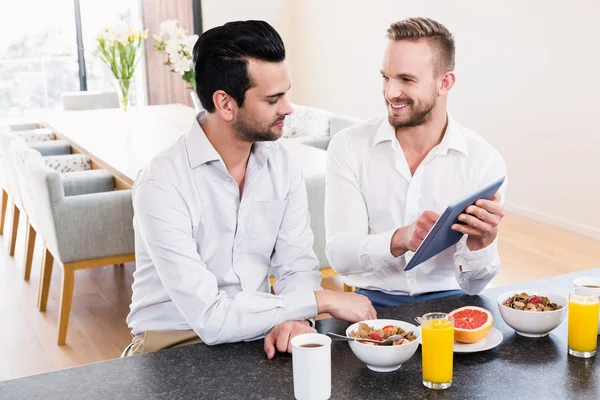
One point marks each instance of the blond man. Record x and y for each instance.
(388, 179)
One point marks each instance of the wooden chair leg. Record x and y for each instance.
(45, 275)
(3, 211)
(348, 288)
(66, 299)
(29, 247)
(15, 228)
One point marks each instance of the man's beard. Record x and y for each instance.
(416, 117)
(253, 131)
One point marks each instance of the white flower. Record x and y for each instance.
(178, 46)
(186, 65)
(182, 65)
(179, 34)
(172, 47)
(174, 58)
(168, 27)
(121, 32)
(108, 35)
(190, 41)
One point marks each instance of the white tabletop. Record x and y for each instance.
(125, 142)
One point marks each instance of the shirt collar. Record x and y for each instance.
(201, 151)
(454, 138)
(384, 133)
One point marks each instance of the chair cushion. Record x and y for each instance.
(36, 135)
(306, 122)
(69, 162)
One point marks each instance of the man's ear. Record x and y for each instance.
(448, 80)
(224, 105)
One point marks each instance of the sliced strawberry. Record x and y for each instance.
(388, 328)
(375, 336)
(535, 300)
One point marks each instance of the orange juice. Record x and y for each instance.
(583, 323)
(437, 341)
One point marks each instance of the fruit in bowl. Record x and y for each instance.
(471, 324)
(365, 331)
(532, 313)
(385, 358)
(534, 303)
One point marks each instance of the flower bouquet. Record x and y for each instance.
(173, 42)
(120, 48)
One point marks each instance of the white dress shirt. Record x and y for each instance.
(203, 256)
(370, 193)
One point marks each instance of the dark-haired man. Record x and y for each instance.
(224, 206)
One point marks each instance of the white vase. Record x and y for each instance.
(196, 101)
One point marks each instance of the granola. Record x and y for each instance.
(367, 332)
(525, 302)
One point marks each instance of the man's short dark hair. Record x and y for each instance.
(221, 57)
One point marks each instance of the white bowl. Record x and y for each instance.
(385, 358)
(530, 323)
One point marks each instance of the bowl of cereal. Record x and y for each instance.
(384, 358)
(532, 313)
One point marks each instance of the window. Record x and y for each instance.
(38, 55)
(38, 51)
(95, 16)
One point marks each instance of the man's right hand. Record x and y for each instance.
(410, 237)
(350, 307)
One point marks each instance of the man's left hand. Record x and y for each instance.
(280, 337)
(481, 222)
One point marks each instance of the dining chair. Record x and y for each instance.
(63, 162)
(75, 183)
(80, 231)
(89, 100)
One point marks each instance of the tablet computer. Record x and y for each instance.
(440, 237)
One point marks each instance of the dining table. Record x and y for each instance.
(124, 142)
(517, 368)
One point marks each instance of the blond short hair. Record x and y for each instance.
(437, 35)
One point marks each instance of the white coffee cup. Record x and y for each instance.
(582, 285)
(312, 366)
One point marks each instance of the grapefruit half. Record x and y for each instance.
(471, 324)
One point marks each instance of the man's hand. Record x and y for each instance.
(281, 335)
(481, 222)
(410, 237)
(350, 307)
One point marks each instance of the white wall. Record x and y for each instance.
(526, 81)
(275, 12)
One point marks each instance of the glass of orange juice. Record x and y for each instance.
(437, 347)
(583, 322)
